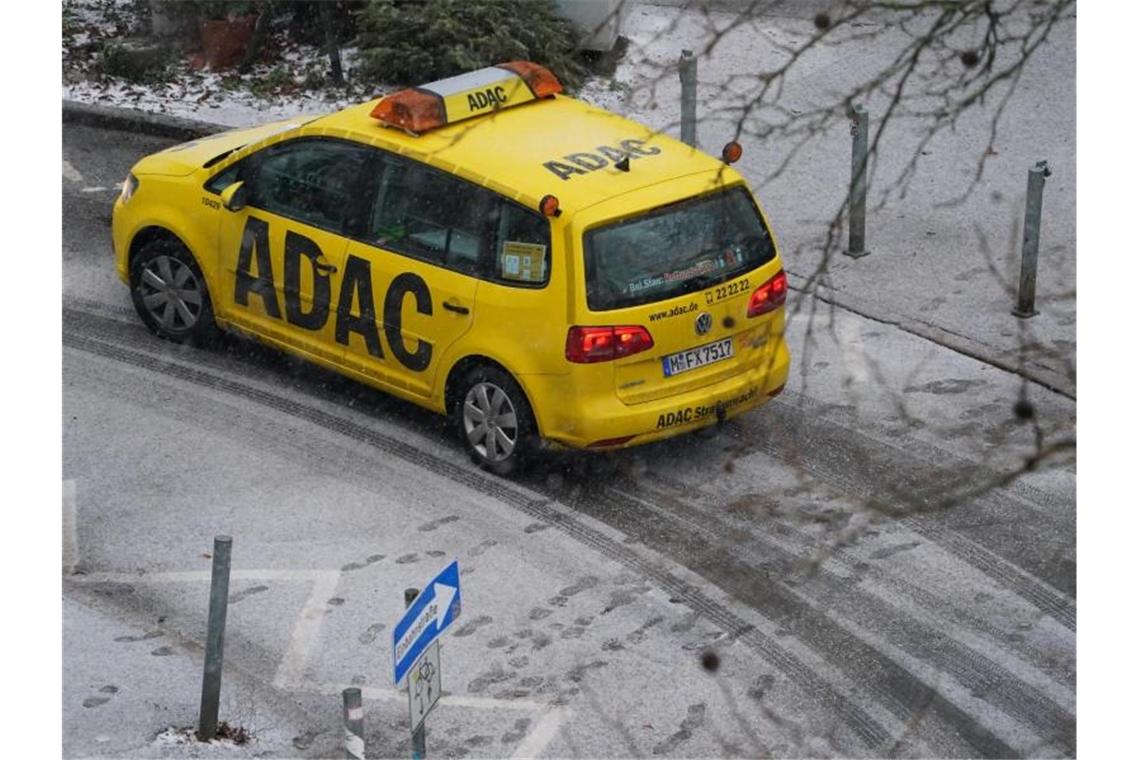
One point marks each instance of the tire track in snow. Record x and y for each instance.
(976, 672)
(794, 430)
(906, 696)
(708, 512)
(88, 333)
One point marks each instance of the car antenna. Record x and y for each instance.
(623, 164)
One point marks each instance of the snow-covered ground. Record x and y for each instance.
(291, 84)
(204, 96)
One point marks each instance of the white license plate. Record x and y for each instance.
(701, 356)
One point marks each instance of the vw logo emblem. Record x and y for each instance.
(704, 323)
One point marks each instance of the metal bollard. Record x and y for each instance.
(1030, 237)
(419, 738)
(353, 724)
(857, 195)
(688, 98)
(215, 634)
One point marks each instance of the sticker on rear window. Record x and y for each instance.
(522, 262)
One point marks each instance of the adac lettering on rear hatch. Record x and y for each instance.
(598, 158)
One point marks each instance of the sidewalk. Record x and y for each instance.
(937, 268)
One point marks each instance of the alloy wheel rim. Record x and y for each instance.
(171, 293)
(490, 421)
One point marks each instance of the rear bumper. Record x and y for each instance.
(586, 422)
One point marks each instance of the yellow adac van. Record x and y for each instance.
(541, 270)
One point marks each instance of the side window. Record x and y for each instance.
(314, 181)
(224, 179)
(432, 216)
(522, 247)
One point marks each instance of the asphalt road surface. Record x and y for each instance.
(841, 573)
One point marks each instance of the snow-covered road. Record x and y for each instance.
(846, 620)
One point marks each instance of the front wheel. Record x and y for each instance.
(170, 295)
(495, 420)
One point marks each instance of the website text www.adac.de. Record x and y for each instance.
(676, 311)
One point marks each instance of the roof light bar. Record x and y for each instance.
(475, 93)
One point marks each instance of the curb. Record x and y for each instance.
(1046, 377)
(126, 119)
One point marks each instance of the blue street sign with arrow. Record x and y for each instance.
(432, 611)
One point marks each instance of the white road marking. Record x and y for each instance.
(98, 189)
(308, 628)
(461, 700)
(394, 694)
(70, 172)
(851, 345)
(182, 576)
(543, 732)
(70, 535)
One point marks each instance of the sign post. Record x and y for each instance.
(424, 686)
(215, 636)
(415, 649)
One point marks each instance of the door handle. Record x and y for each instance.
(453, 305)
(324, 268)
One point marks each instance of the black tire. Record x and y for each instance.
(489, 393)
(170, 294)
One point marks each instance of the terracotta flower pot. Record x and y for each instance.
(224, 41)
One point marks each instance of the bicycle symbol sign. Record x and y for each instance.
(424, 685)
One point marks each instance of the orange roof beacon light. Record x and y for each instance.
(732, 152)
(433, 105)
(549, 206)
(412, 110)
(540, 79)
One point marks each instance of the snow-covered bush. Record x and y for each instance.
(415, 42)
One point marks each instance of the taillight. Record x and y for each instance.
(585, 345)
(769, 296)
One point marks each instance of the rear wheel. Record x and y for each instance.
(170, 295)
(494, 420)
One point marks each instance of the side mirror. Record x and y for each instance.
(234, 197)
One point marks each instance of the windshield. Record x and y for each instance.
(676, 249)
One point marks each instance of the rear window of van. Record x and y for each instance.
(675, 249)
